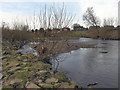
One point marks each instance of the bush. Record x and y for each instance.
(16, 35)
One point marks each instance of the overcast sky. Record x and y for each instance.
(10, 9)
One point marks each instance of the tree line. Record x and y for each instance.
(57, 18)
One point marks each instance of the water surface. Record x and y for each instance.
(88, 65)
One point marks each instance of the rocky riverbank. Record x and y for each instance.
(26, 71)
(29, 71)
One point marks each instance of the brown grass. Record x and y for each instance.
(19, 38)
(103, 33)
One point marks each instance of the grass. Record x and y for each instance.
(103, 33)
(23, 71)
(18, 38)
(22, 75)
(61, 77)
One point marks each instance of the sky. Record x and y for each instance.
(11, 10)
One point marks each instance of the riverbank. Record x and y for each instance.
(61, 47)
(28, 71)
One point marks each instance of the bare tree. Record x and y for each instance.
(105, 22)
(20, 25)
(116, 22)
(90, 18)
(34, 21)
(55, 17)
(109, 21)
(61, 17)
(3, 25)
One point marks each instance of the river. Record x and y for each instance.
(89, 65)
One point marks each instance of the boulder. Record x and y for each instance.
(41, 72)
(64, 85)
(51, 80)
(45, 85)
(15, 81)
(31, 85)
(103, 51)
(39, 81)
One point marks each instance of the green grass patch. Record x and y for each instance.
(22, 75)
(61, 77)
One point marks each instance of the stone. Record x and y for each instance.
(18, 57)
(57, 85)
(45, 85)
(103, 51)
(25, 60)
(31, 85)
(51, 72)
(1, 75)
(39, 81)
(17, 64)
(3, 57)
(51, 80)
(41, 71)
(15, 81)
(14, 69)
(65, 85)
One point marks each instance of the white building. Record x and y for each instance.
(119, 13)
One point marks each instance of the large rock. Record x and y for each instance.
(66, 85)
(17, 64)
(39, 81)
(31, 85)
(103, 51)
(14, 81)
(42, 72)
(57, 85)
(51, 80)
(45, 85)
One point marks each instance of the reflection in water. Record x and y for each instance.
(88, 65)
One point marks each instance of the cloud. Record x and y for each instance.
(39, 0)
(11, 18)
(103, 8)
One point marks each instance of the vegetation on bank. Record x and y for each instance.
(27, 71)
(103, 33)
(27, 36)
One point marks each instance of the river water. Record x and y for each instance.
(89, 65)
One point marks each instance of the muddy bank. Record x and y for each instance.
(61, 47)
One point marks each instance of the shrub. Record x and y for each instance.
(16, 35)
